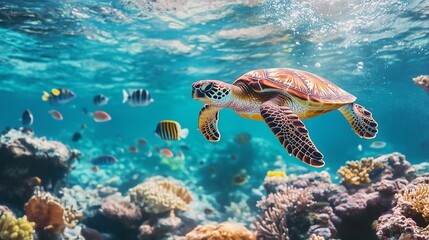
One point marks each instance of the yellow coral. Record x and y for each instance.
(315, 237)
(357, 172)
(223, 231)
(47, 212)
(15, 229)
(157, 196)
(276, 174)
(419, 199)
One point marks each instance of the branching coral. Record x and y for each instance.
(289, 204)
(358, 172)
(15, 229)
(158, 196)
(418, 197)
(223, 231)
(49, 215)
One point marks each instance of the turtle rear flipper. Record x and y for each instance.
(360, 119)
(207, 122)
(291, 133)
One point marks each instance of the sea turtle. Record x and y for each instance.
(282, 97)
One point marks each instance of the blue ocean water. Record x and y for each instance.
(371, 49)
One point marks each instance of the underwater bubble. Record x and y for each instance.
(359, 65)
(317, 65)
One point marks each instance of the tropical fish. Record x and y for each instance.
(243, 138)
(27, 118)
(100, 100)
(104, 160)
(240, 178)
(56, 115)
(83, 126)
(100, 116)
(95, 168)
(58, 96)
(378, 145)
(133, 149)
(276, 174)
(142, 141)
(76, 136)
(137, 97)
(85, 111)
(166, 152)
(170, 130)
(89, 233)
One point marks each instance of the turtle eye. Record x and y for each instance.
(206, 87)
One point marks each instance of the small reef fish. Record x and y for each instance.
(243, 138)
(166, 152)
(27, 118)
(142, 141)
(76, 136)
(100, 100)
(170, 130)
(58, 96)
(137, 97)
(378, 145)
(133, 149)
(113, 179)
(100, 116)
(240, 178)
(56, 115)
(85, 111)
(104, 160)
(83, 126)
(95, 168)
(89, 233)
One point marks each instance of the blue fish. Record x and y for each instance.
(27, 118)
(104, 160)
(100, 100)
(58, 96)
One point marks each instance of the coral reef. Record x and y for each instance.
(15, 229)
(358, 172)
(273, 180)
(123, 211)
(423, 82)
(158, 196)
(288, 206)
(161, 226)
(408, 219)
(223, 231)
(28, 161)
(49, 215)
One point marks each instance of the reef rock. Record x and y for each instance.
(28, 161)
(223, 231)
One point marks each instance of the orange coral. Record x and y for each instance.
(358, 172)
(223, 231)
(48, 214)
(418, 197)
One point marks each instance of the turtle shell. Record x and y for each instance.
(298, 83)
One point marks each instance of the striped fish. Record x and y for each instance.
(137, 97)
(58, 96)
(104, 160)
(170, 130)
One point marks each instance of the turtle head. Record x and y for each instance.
(212, 92)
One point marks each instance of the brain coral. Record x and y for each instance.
(358, 172)
(223, 231)
(15, 229)
(158, 196)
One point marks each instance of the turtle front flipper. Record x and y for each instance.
(291, 133)
(360, 119)
(207, 122)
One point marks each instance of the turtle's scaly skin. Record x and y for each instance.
(282, 97)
